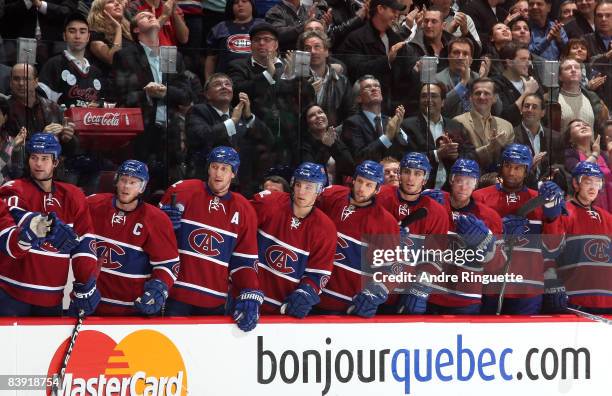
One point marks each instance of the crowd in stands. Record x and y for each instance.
(241, 81)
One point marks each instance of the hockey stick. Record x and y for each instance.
(587, 315)
(57, 380)
(523, 211)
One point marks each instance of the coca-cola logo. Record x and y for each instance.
(106, 119)
(88, 94)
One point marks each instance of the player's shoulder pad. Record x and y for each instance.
(97, 198)
(268, 196)
(322, 220)
(386, 189)
(187, 185)
(13, 185)
(71, 191)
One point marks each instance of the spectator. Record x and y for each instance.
(515, 83)
(600, 48)
(520, 9)
(216, 123)
(578, 50)
(321, 143)
(458, 75)
(391, 169)
(431, 39)
(487, 133)
(229, 40)
(458, 23)
(30, 110)
(275, 183)
(277, 100)
(547, 36)
(583, 146)
(444, 142)
(332, 89)
(7, 142)
(485, 14)
(567, 12)
(110, 32)
(584, 19)
(346, 17)
(500, 36)
(369, 133)
(534, 135)
(289, 17)
(137, 81)
(519, 28)
(374, 47)
(173, 29)
(575, 101)
(68, 79)
(193, 50)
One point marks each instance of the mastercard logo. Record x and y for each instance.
(144, 362)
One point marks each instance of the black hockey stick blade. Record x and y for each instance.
(414, 216)
(530, 206)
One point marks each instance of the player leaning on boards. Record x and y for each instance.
(136, 246)
(583, 244)
(296, 243)
(401, 201)
(216, 234)
(357, 216)
(523, 235)
(34, 285)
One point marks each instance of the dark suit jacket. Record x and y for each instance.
(421, 140)
(601, 64)
(131, 73)
(483, 17)
(314, 150)
(578, 27)
(360, 136)
(520, 136)
(5, 75)
(21, 22)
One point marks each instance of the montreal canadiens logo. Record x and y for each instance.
(277, 257)
(240, 43)
(107, 252)
(597, 250)
(342, 244)
(204, 241)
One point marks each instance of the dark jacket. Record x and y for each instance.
(577, 27)
(21, 22)
(289, 23)
(314, 150)
(418, 48)
(555, 150)
(337, 99)
(484, 18)
(344, 21)
(360, 136)
(421, 140)
(600, 64)
(508, 94)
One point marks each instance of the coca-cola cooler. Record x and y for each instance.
(105, 129)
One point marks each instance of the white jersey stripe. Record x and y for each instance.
(283, 243)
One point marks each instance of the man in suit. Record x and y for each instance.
(485, 14)
(532, 134)
(600, 48)
(138, 82)
(488, 134)
(275, 95)
(584, 19)
(216, 123)
(444, 142)
(369, 134)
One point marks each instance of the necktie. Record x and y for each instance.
(224, 117)
(378, 125)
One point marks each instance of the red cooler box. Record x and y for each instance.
(105, 129)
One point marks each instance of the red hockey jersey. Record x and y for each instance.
(39, 278)
(358, 228)
(291, 250)
(217, 244)
(9, 235)
(132, 247)
(584, 254)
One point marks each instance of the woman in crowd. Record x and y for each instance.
(583, 146)
(7, 142)
(578, 49)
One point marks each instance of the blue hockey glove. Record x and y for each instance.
(84, 297)
(555, 298)
(175, 214)
(366, 302)
(474, 232)
(153, 298)
(246, 309)
(555, 199)
(34, 229)
(299, 303)
(434, 194)
(62, 236)
(515, 226)
(415, 301)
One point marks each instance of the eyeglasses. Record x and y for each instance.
(21, 79)
(264, 39)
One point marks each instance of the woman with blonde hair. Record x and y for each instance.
(110, 31)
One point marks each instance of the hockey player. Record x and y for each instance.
(136, 246)
(404, 200)
(476, 227)
(34, 285)
(584, 252)
(522, 235)
(296, 243)
(216, 235)
(357, 216)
